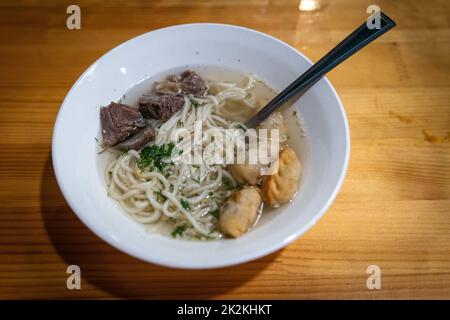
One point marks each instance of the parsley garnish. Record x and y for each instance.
(160, 197)
(178, 231)
(215, 213)
(185, 204)
(239, 126)
(229, 185)
(194, 102)
(152, 157)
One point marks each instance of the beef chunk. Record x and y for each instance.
(192, 83)
(118, 122)
(160, 106)
(188, 82)
(137, 141)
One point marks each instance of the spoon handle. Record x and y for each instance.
(358, 39)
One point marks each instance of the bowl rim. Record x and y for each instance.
(217, 263)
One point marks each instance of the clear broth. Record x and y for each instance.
(263, 92)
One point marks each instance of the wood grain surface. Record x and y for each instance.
(393, 210)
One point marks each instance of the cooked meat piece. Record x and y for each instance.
(166, 98)
(240, 212)
(282, 186)
(137, 141)
(188, 82)
(160, 106)
(118, 122)
(192, 83)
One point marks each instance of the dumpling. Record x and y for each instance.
(281, 187)
(240, 211)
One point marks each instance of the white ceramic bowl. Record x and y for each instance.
(75, 154)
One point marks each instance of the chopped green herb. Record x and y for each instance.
(195, 103)
(196, 180)
(178, 231)
(152, 157)
(239, 126)
(210, 193)
(196, 166)
(96, 139)
(180, 124)
(215, 213)
(228, 184)
(160, 197)
(180, 138)
(185, 204)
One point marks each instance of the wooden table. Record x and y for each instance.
(393, 210)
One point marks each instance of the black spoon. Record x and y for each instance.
(357, 40)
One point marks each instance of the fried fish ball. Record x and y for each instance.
(240, 211)
(281, 187)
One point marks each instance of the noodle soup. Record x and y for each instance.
(203, 201)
